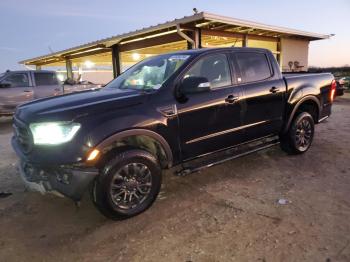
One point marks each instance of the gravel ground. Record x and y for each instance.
(226, 213)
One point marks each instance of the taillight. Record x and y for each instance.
(333, 89)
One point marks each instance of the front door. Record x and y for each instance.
(15, 89)
(210, 121)
(263, 94)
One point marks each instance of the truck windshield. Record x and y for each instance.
(149, 74)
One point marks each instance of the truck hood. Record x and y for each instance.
(72, 106)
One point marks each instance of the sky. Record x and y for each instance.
(29, 28)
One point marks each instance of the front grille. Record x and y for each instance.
(22, 135)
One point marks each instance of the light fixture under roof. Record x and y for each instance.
(135, 56)
(89, 64)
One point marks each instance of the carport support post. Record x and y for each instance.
(279, 50)
(69, 69)
(190, 34)
(38, 67)
(116, 61)
(245, 41)
(198, 37)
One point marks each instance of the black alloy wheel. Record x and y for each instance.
(300, 135)
(128, 184)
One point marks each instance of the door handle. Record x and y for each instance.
(274, 90)
(27, 91)
(231, 99)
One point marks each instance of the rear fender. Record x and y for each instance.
(297, 106)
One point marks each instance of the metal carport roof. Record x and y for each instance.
(202, 20)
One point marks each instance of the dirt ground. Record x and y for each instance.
(226, 213)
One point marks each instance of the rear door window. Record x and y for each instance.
(17, 80)
(253, 66)
(45, 79)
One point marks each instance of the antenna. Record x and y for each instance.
(50, 49)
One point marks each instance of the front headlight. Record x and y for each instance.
(53, 133)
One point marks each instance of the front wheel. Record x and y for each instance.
(128, 184)
(299, 137)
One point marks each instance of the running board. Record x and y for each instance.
(220, 157)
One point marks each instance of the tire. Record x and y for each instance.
(128, 184)
(300, 135)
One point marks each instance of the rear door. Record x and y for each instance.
(211, 120)
(263, 93)
(46, 84)
(16, 89)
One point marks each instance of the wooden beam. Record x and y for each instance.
(94, 52)
(221, 33)
(245, 30)
(165, 39)
(46, 62)
(222, 27)
(237, 35)
(263, 38)
(83, 50)
(64, 58)
(190, 34)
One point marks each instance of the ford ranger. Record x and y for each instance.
(188, 110)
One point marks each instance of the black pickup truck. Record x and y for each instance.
(189, 110)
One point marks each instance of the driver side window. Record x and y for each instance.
(17, 80)
(215, 68)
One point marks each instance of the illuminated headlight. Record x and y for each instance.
(53, 133)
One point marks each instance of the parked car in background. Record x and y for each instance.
(340, 89)
(72, 86)
(345, 81)
(193, 109)
(18, 87)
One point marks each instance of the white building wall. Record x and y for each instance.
(295, 50)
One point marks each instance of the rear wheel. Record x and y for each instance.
(300, 135)
(128, 184)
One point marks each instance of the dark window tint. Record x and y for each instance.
(44, 79)
(17, 80)
(253, 66)
(215, 68)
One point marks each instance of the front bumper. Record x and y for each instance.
(68, 181)
(7, 110)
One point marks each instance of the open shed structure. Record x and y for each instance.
(201, 30)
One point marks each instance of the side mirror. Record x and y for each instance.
(194, 84)
(5, 84)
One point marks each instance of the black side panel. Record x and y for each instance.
(263, 93)
(308, 87)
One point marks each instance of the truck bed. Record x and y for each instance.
(316, 84)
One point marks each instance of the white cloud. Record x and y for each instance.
(87, 15)
(10, 49)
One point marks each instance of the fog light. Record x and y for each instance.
(93, 154)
